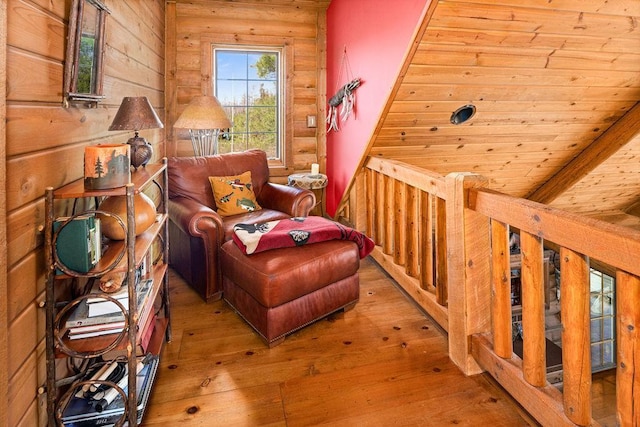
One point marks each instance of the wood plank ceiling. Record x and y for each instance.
(554, 82)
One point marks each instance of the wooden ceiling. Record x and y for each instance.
(556, 85)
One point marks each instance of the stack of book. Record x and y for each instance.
(96, 316)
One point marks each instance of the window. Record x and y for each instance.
(85, 47)
(218, 48)
(248, 84)
(603, 321)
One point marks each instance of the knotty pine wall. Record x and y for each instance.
(193, 25)
(45, 147)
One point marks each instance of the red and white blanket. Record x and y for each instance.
(253, 238)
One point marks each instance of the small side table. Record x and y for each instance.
(316, 183)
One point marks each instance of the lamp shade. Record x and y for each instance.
(203, 112)
(135, 113)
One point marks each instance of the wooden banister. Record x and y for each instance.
(445, 240)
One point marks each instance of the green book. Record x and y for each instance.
(76, 243)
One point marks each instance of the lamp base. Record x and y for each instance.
(141, 151)
(204, 141)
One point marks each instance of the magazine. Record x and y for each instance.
(81, 412)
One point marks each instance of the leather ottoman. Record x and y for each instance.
(282, 290)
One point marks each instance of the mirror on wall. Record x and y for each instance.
(85, 51)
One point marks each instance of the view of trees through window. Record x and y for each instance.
(247, 86)
(86, 68)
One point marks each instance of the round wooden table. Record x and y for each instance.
(315, 183)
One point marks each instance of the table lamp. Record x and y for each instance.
(204, 117)
(136, 113)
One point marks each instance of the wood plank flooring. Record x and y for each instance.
(383, 363)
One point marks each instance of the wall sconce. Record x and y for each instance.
(204, 117)
(136, 113)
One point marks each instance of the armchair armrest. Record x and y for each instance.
(294, 201)
(196, 219)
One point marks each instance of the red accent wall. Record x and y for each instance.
(376, 35)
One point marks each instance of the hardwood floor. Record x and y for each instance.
(382, 363)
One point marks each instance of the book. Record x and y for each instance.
(96, 333)
(77, 244)
(79, 317)
(143, 342)
(97, 327)
(79, 320)
(81, 412)
(103, 306)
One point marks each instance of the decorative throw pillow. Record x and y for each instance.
(234, 194)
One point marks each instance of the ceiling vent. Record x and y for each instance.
(463, 114)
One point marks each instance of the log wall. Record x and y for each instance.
(192, 26)
(45, 147)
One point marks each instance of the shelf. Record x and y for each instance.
(116, 247)
(149, 325)
(140, 178)
(91, 344)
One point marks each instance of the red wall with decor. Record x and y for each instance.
(375, 35)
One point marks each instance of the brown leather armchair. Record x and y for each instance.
(196, 231)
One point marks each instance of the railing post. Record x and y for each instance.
(426, 239)
(576, 350)
(468, 270)
(441, 280)
(534, 365)
(628, 356)
(501, 290)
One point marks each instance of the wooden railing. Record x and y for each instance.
(408, 223)
(445, 241)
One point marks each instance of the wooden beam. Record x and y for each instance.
(468, 270)
(616, 137)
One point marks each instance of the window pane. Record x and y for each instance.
(608, 353)
(231, 65)
(231, 92)
(234, 142)
(596, 330)
(608, 283)
(609, 331)
(263, 93)
(238, 117)
(596, 355)
(608, 303)
(262, 119)
(265, 142)
(262, 66)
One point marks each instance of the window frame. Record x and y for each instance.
(283, 165)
